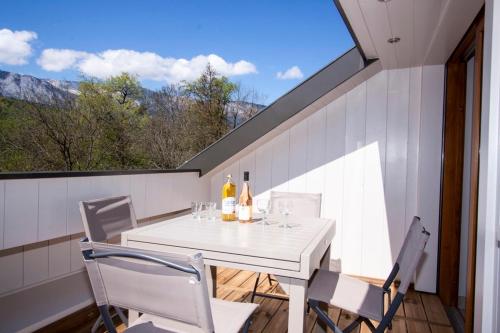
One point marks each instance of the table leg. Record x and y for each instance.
(324, 264)
(211, 274)
(296, 311)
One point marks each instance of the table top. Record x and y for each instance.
(250, 239)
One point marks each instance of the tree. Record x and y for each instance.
(209, 96)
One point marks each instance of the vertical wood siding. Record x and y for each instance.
(374, 154)
(40, 223)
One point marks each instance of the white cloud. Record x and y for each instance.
(146, 65)
(290, 74)
(15, 46)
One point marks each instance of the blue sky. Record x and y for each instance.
(269, 46)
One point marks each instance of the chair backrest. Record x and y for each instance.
(411, 252)
(171, 286)
(304, 204)
(106, 218)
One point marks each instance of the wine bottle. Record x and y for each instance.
(245, 202)
(228, 200)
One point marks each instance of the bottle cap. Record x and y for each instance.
(246, 176)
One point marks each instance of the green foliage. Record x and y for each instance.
(112, 124)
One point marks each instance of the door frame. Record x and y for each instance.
(452, 169)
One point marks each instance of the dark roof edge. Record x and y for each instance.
(349, 28)
(62, 174)
(285, 107)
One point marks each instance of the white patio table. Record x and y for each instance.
(291, 255)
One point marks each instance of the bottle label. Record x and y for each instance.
(245, 213)
(229, 205)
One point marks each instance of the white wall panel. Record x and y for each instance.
(413, 139)
(316, 152)
(138, 194)
(376, 259)
(11, 262)
(35, 263)
(79, 188)
(263, 163)
(76, 259)
(363, 153)
(59, 256)
(333, 197)
(396, 158)
(52, 208)
(280, 158)
(216, 183)
(298, 154)
(158, 193)
(247, 163)
(430, 145)
(353, 180)
(21, 212)
(2, 211)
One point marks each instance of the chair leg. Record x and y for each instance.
(254, 291)
(96, 324)
(369, 324)
(122, 316)
(324, 316)
(353, 325)
(269, 279)
(247, 325)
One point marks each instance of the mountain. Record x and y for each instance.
(33, 89)
(30, 88)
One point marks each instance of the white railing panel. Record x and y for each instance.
(52, 208)
(21, 212)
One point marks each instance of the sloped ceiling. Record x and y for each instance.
(429, 29)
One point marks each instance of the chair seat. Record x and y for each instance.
(228, 317)
(348, 293)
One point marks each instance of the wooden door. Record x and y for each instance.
(453, 166)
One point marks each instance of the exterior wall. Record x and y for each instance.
(40, 222)
(487, 292)
(374, 153)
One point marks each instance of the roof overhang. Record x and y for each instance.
(429, 30)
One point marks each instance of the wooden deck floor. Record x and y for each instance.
(420, 312)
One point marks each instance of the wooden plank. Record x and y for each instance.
(434, 309)
(415, 326)
(413, 306)
(279, 321)
(264, 313)
(441, 329)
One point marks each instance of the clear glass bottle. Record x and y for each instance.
(245, 201)
(228, 195)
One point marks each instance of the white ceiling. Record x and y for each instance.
(429, 29)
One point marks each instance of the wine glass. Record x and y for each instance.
(263, 206)
(285, 208)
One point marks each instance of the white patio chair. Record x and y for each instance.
(170, 291)
(103, 220)
(364, 299)
(304, 205)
